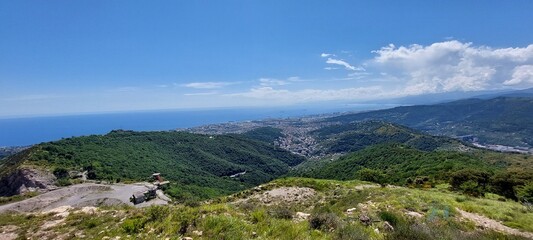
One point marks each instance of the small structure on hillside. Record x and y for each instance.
(140, 197)
(137, 198)
(151, 193)
(159, 181)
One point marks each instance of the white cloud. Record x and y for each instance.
(312, 95)
(344, 64)
(272, 82)
(454, 66)
(330, 68)
(208, 85)
(295, 79)
(327, 55)
(521, 74)
(201, 93)
(267, 82)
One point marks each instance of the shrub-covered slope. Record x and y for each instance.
(197, 165)
(328, 210)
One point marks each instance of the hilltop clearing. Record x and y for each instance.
(328, 210)
(83, 195)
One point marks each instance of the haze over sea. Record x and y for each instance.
(32, 130)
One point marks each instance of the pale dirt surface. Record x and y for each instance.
(8, 232)
(363, 186)
(84, 195)
(487, 223)
(283, 195)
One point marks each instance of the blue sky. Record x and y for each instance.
(65, 57)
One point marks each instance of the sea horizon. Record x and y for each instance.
(26, 131)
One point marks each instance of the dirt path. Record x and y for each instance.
(488, 223)
(83, 195)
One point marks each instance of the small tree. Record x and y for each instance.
(525, 193)
(372, 175)
(60, 173)
(470, 181)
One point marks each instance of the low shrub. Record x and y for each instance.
(351, 232)
(132, 226)
(281, 212)
(324, 221)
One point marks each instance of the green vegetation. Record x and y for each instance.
(198, 166)
(334, 213)
(406, 166)
(501, 120)
(352, 137)
(265, 134)
(397, 162)
(16, 198)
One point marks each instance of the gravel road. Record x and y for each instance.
(83, 195)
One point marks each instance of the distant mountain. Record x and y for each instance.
(198, 166)
(501, 120)
(518, 93)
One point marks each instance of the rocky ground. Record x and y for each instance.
(84, 195)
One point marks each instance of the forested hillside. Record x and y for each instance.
(351, 137)
(199, 166)
(501, 120)
(475, 172)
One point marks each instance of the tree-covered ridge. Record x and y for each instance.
(398, 163)
(469, 172)
(197, 165)
(501, 120)
(351, 137)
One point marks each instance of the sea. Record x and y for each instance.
(27, 131)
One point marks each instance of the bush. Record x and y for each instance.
(525, 193)
(281, 212)
(223, 227)
(392, 218)
(157, 213)
(63, 182)
(132, 226)
(60, 173)
(258, 216)
(324, 221)
(351, 232)
(372, 175)
(470, 181)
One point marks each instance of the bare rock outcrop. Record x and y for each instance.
(26, 180)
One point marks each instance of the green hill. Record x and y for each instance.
(199, 166)
(402, 165)
(501, 120)
(351, 137)
(398, 163)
